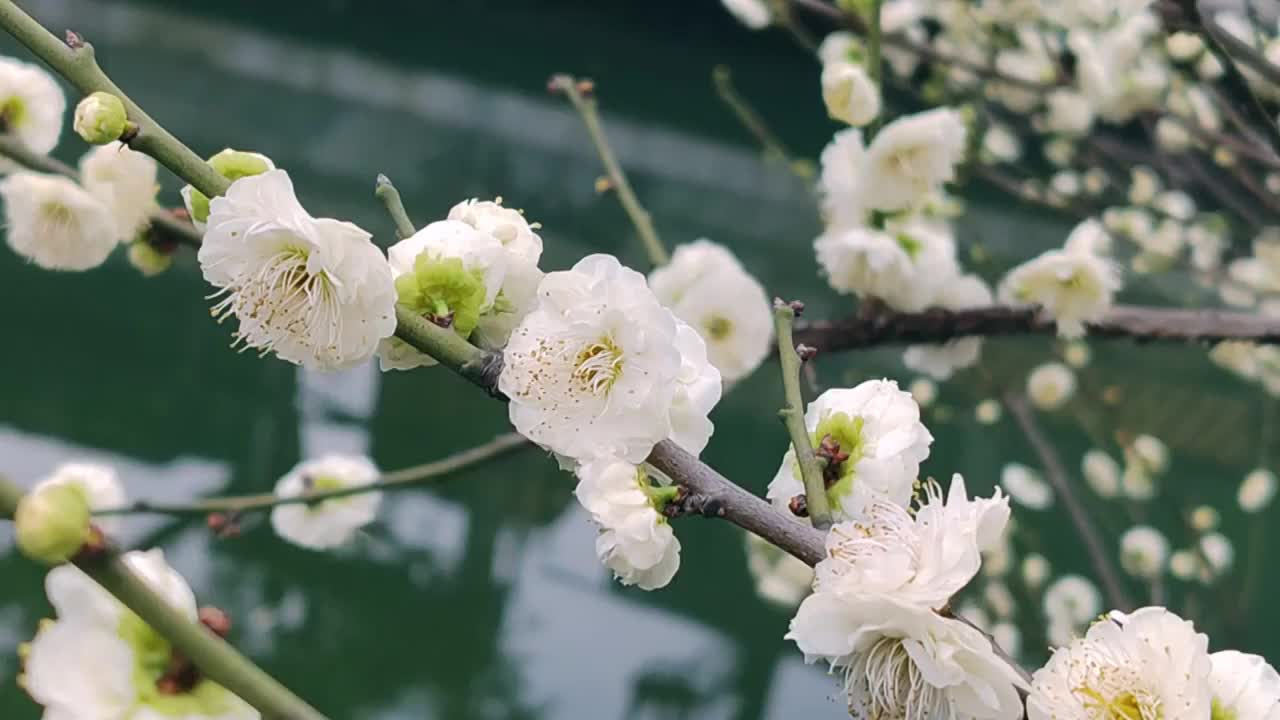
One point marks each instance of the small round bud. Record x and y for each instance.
(100, 118)
(52, 524)
(147, 259)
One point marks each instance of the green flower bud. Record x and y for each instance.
(100, 118)
(147, 259)
(231, 164)
(52, 524)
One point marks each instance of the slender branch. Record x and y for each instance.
(585, 104)
(397, 480)
(792, 415)
(390, 196)
(877, 325)
(751, 120)
(215, 659)
(1062, 485)
(875, 64)
(74, 60)
(171, 227)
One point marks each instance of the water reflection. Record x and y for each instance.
(480, 596)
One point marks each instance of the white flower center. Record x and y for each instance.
(890, 686)
(280, 298)
(598, 365)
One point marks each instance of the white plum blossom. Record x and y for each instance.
(55, 223)
(1144, 551)
(327, 523)
(923, 559)
(1101, 472)
(874, 441)
(912, 157)
(1051, 385)
(1256, 490)
(850, 94)
(941, 361)
(523, 248)
(872, 612)
(754, 14)
(1071, 601)
(635, 541)
(450, 273)
(1074, 286)
(906, 266)
(1026, 487)
(1035, 571)
(705, 286)
(1068, 113)
(231, 164)
(99, 660)
(840, 181)
(1218, 552)
(1148, 664)
(1243, 686)
(31, 105)
(99, 484)
(125, 181)
(314, 291)
(600, 368)
(781, 578)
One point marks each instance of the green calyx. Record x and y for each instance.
(233, 165)
(13, 112)
(152, 661)
(837, 440)
(442, 289)
(1220, 712)
(909, 244)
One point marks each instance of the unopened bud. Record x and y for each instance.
(217, 620)
(100, 118)
(231, 164)
(52, 524)
(147, 259)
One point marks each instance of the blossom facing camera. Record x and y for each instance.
(55, 223)
(599, 367)
(100, 118)
(850, 94)
(327, 523)
(230, 164)
(1051, 385)
(125, 181)
(635, 540)
(912, 157)
(1075, 285)
(31, 105)
(873, 442)
(314, 291)
(51, 524)
(1147, 664)
(705, 286)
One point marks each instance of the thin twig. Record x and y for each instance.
(1057, 475)
(216, 660)
(387, 193)
(792, 414)
(398, 480)
(74, 60)
(755, 124)
(585, 104)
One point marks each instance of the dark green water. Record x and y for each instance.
(482, 597)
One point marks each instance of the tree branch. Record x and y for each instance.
(397, 480)
(390, 196)
(216, 659)
(1112, 585)
(792, 415)
(878, 325)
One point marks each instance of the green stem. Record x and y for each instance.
(875, 65)
(387, 193)
(171, 227)
(815, 487)
(216, 660)
(74, 60)
(398, 480)
(586, 108)
(751, 120)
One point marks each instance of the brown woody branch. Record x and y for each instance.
(875, 324)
